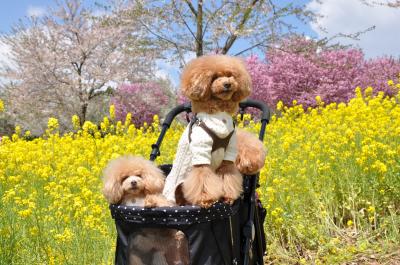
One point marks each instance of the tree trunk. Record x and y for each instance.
(82, 117)
(199, 33)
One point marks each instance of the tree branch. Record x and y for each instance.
(191, 7)
(212, 16)
(251, 47)
(178, 49)
(184, 21)
(157, 35)
(93, 92)
(232, 38)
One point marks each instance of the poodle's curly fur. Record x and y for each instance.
(203, 81)
(217, 83)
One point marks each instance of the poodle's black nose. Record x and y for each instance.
(134, 183)
(227, 86)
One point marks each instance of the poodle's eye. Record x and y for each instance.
(214, 77)
(124, 178)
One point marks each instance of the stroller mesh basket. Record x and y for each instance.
(220, 235)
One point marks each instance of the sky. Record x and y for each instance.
(337, 16)
(11, 11)
(349, 16)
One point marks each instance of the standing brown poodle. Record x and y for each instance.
(204, 169)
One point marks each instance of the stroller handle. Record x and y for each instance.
(266, 113)
(265, 116)
(188, 108)
(165, 126)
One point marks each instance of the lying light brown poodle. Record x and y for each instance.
(211, 152)
(135, 181)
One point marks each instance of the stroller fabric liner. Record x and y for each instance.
(208, 231)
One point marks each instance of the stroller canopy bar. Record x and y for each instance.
(174, 215)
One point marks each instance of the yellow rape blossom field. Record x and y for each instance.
(330, 185)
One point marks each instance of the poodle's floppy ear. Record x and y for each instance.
(112, 188)
(196, 82)
(244, 81)
(153, 179)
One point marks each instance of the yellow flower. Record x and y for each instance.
(358, 92)
(368, 91)
(34, 231)
(112, 112)
(89, 127)
(350, 223)
(76, 122)
(52, 124)
(104, 126)
(379, 166)
(66, 236)
(1, 106)
(25, 213)
(119, 128)
(18, 130)
(128, 119)
(371, 209)
(279, 106)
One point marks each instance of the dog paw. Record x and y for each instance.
(156, 200)
(205, 204)
(150, 203)
(206, 201)
(248, 167)
(251, 153)
(228, 200)
(249, 164)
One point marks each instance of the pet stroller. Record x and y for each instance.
(220, 235)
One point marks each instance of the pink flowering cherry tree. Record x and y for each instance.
(142, 100)
(301, 70)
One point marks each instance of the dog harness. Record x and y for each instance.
(218, 142)
(208, 139)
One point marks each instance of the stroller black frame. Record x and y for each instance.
(219, 235)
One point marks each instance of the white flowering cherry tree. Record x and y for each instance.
(63, 61)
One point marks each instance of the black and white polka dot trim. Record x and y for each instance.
(176, 215)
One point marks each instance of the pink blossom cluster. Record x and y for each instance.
(300, 70)
(142, 100)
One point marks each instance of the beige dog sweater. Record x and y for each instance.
(198, 151)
